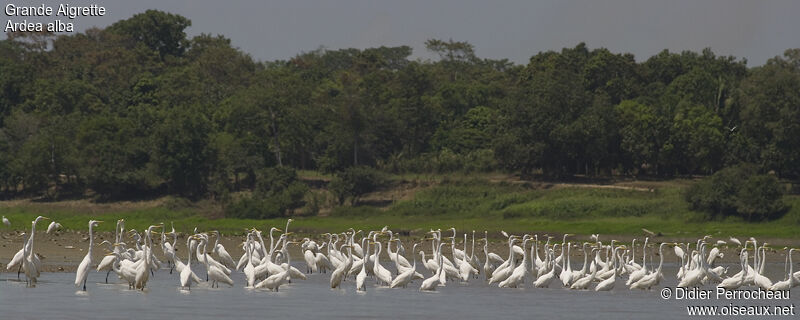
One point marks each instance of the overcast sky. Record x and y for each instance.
(270, 30)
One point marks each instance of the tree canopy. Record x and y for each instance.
(140, 108)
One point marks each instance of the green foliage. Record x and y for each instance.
(278, 191)
(354, 182)
(158, 30)
(138, 109)
(738, 191)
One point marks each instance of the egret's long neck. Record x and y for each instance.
(249, 249)
(414, 265)
(585, 258)
(525, 256)
(116, 233)
(486, 248)
(29, 244)
(510, 249)
(472, 255)
(189, 259)
(743, 262)
(644, 254)
(791, 268)
(661, 258)
(91, 240)
(271, 242)
(366, 257)
(465, 247)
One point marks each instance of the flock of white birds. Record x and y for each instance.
(360, 255)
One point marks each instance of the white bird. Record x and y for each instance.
(566, 270)
(584, 282)
(362, 275)
(6, 222)
(249, 269)
(274, 281)
(53, 227)
(186, 271)
(520, 274)
(653, 278)
(430, 284)
(737, 280)
(339, 274)
(504, 270)
(608, 284)
(83, 268)
(639, 274)
(404, 278)
(545, 278)
(224, 256)
(214, 271)
(17, 260)
(789, 282)
(381, 273)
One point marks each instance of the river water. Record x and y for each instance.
(55, 297)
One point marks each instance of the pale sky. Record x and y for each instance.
(270, 30)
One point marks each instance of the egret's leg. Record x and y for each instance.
(84, 283)
(107, 273)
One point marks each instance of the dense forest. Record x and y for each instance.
(138, 108)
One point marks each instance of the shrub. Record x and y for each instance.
(277, 191)
(354, 182)
(738, 191)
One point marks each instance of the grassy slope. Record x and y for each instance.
(468, 204)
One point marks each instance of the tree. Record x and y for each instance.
(638, 136)
(160, 31)
(181, 151)
(770, 113)
(738, 191)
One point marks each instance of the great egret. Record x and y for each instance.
(17, 260)
(583, 283)
(143, 270)
(381, 274)
(214, 271)
(608, 284)
(520, 274)
(249, 269)
(83, 268)
(789, 282)
(309, 257)
(639, 274)
(737, 280)
(545, 278)
(430, 284)
(30, 261)
(504, 270)
(224, 256)
(653, 278)
(6, 222)
(566, 270)
(107, 263)
(186, 272)
(404, 278)
(53, 226)
(274, 281)
(362, 275)
(338, 275)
